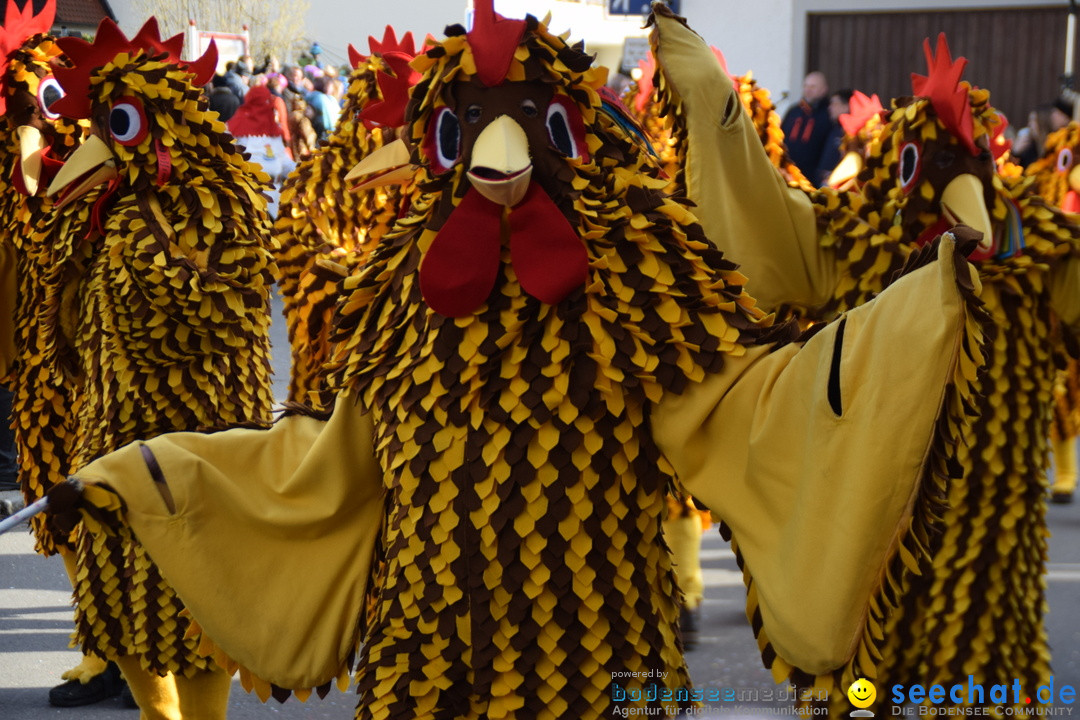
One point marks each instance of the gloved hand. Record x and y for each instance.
(63, 514)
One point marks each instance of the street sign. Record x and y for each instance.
(635, 7)
(634, 50)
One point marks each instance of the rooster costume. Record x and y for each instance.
(165, 310)
(534, 355)
(1057, 180)
(324, 230)
(976, 608)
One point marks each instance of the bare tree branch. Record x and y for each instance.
(276, 27)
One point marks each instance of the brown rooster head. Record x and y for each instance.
(502, 130)
(1057, 172)
(150, 123)
(28, 92)
(931, 167)
(861, 124)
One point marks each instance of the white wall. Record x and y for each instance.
(765, 36)
(754, 35)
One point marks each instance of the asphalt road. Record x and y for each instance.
(35, 623)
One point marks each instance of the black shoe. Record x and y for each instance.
(101, 687)
(688, 625)
(1061, 498)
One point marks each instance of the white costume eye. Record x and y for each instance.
(1065, 160)
(446, 143)
(565, 128)
(49, 91)
(127, 121)
(909, 166)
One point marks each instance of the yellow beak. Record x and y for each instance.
(501, 168)
(846, 171)
(31, 144)
(89, 166)
(388, 165)
(963, 202)
(1074, 178)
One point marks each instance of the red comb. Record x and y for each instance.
(493, 40)
(19, 26)
(388, 44)
(942, 87)
(644, 83)
(999, 144)
(862, 109)
(109, 42)
(390, 111)
(22, 24)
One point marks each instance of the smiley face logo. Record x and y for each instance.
(862, 693)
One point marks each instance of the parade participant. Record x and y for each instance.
(1057, 180)
(977, 608)
(34, 143)
(325, 228)
(165, 313)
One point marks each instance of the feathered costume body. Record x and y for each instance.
(977, 607)
(979, 610)
(1057, 180)
(522, 378)
(43, 402)
(165, 309)
(505, 414)
(321, 219)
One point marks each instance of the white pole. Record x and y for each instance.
(1070, 41)
(26, 513)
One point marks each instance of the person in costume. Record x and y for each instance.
(535, 354)
(325, 229)
(686, 522)
(861, 123)
(34, 143)
(977, 607)
(1057, 180)
(165, 314)
(259, 125)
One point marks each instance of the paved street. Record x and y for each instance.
(35, 622)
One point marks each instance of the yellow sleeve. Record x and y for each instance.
(825, 460)
(266, 535)
(744, 204)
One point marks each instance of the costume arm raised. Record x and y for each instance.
(826, 460)
(744, 204)
(266, 535)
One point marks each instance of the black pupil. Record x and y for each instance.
(119, 122)
(449, 136)
(49, 95)
(560, 134)
(907, 164)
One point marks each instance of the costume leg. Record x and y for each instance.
(91, 665)
(684, 538)
(1064, 470)
(156, 696)
(205, 696)
(683, 531)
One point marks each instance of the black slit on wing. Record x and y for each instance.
(835, 401)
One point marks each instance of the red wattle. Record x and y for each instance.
(459, 269)
(548, 256)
